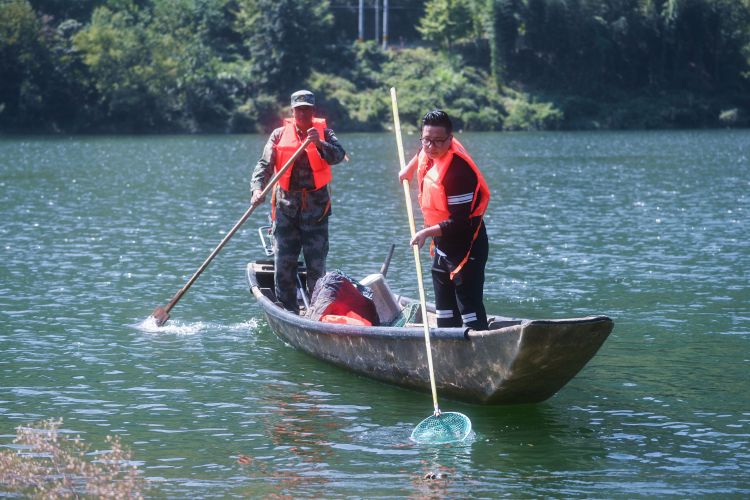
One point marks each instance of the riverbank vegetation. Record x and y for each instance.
(169, 66)
(45, 463)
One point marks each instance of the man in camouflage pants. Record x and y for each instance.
(301, 200)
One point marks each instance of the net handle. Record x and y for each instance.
(412, 228)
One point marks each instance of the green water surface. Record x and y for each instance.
(650, 228)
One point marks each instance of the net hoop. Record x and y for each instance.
(444, 428)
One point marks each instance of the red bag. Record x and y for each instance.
(336, 294)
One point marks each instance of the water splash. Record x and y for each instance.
(251, 324)
(149, 325)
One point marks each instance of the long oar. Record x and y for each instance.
(439, 427)
(161, 314)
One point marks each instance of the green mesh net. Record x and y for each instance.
(448, 427)
(407, 315)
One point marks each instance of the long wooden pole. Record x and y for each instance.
(161, 314)
(412, 228)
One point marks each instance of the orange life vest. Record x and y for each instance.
(290, 142)
(432, 197)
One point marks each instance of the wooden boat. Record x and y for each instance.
(515, 361)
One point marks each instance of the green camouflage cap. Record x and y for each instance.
(303, 98)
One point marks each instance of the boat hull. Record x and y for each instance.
(517, 361)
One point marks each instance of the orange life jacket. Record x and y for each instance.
(432, 197)
(290, 142)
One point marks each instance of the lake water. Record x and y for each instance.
(650, 228)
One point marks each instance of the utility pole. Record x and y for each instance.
(361, 24)
(385, 24)
(377, 21)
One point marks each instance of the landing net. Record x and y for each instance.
(448, 427)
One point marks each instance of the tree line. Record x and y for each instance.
(154, 66)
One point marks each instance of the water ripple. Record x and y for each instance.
(650, 228)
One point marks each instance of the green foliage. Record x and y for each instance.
(229, 65)
(154, 68)
(346, 106)
(624, 110)
(526, 114)
(22, 55)
(593, 45)
(428, 79)
(79, 10)
(425, 79)
(446, 21)
(362, 64)
(18, 29)
(43, 83)
(260, 113)
(501, 25)
(284, 39)
(126, 69)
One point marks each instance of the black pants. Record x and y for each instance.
(459, 301)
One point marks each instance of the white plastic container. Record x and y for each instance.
(385, 301)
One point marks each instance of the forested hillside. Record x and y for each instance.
(158, 66)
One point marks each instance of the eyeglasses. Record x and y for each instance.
(433, 142)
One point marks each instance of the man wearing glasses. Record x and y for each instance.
(453, 196)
